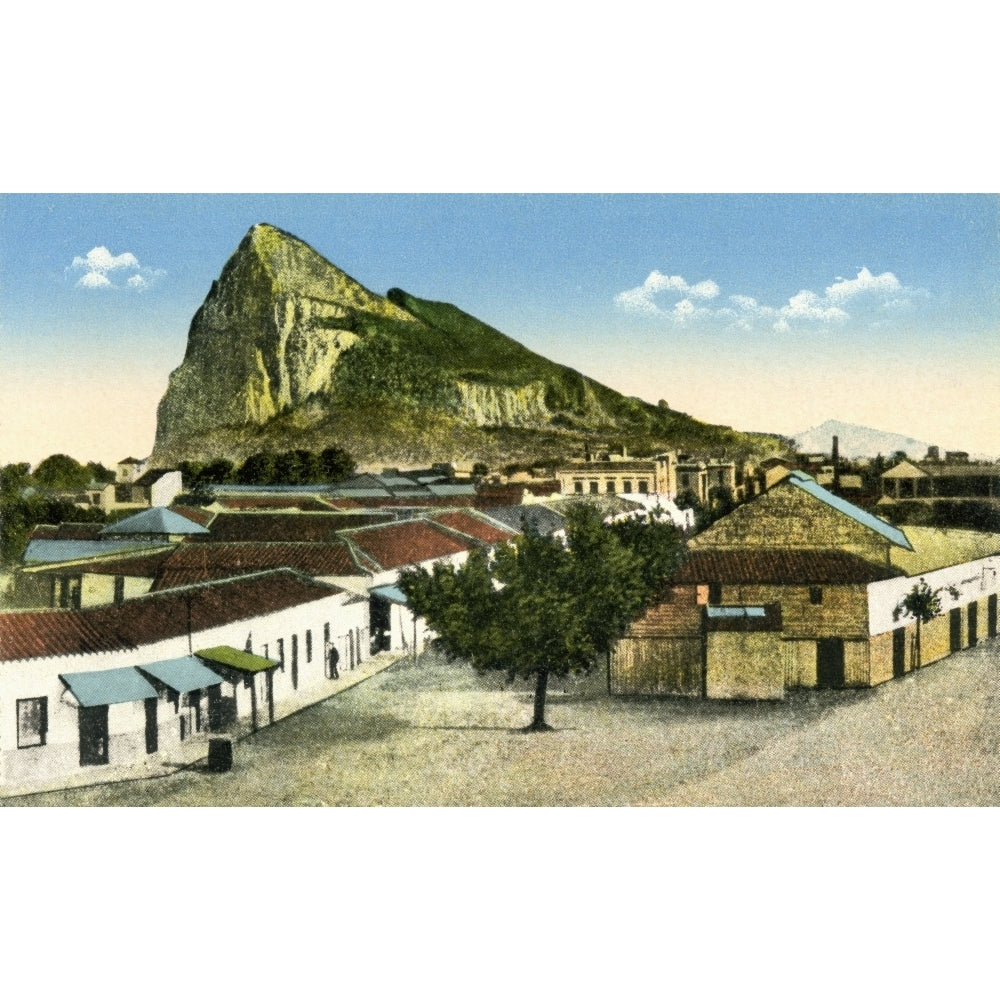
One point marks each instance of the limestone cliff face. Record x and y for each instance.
(267, 337)
(288, 351)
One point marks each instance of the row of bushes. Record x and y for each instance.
(292, 468)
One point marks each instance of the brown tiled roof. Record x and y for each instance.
(196, 563)
(28, 634)
(68, 531)
(405, 543)
(269, 501)
(780, 566)
(154, 616)
(421, 502)
(475, 527)
(146, 565)
(282, 527)
(196, 514)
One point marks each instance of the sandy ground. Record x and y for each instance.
(437, 734)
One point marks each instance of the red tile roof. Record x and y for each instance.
(196, 514)
(68, 531)
(28, 634)
(405, 543)
(195, 563)
(779, 566)
(154, 616)
(283, 527)
(475, 527)
(271, 502)
(145, 565)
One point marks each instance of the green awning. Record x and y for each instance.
(182, 675)
(236, 659)
(108, 687)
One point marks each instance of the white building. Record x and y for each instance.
(115, 688)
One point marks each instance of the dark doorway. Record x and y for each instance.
(830, 663)
(94, 735)
(973, 624)
(955, 629)
(295, 663)
(898, 652)
(991, 616)
(381, 624)
(152, 734)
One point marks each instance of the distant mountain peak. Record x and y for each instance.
(857, 441)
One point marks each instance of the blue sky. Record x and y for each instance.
(770, 312)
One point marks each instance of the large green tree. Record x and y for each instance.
(536, 608)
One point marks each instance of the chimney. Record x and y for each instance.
(835, 459)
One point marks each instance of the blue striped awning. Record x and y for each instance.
(108, 687)
(182, 675)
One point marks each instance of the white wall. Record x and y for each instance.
(972, 580)
(40, 678)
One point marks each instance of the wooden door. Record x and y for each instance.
(94, 735)
(898, 652)
(830, 663)
(152, 733)
(955, 629)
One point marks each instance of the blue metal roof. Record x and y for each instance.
(452, 489)
(735, 612)
(54, 550)
(108, 687)
(389, 593)
(155, 521)
(187, 673)
(807, 484)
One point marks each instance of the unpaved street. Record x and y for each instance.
(436, 734)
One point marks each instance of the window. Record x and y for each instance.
(595, 486)
(32, 722)
(578, 486)
(627, 486)
(326, 634)
(309, 645)
(685, 481)
(722, 478)
(119, 589)
(715, 593)
(281, 653)
(610, 486)
(815, 595)
(643, 486)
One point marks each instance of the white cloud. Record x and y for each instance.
(94, 279)
(868, 296)
(704, 290)
(842, 289)
(100, 262)
(809, 306)
(641, 299)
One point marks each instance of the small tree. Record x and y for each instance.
(60, 472)
(337, 463)
(537, 608)
(921, 604)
